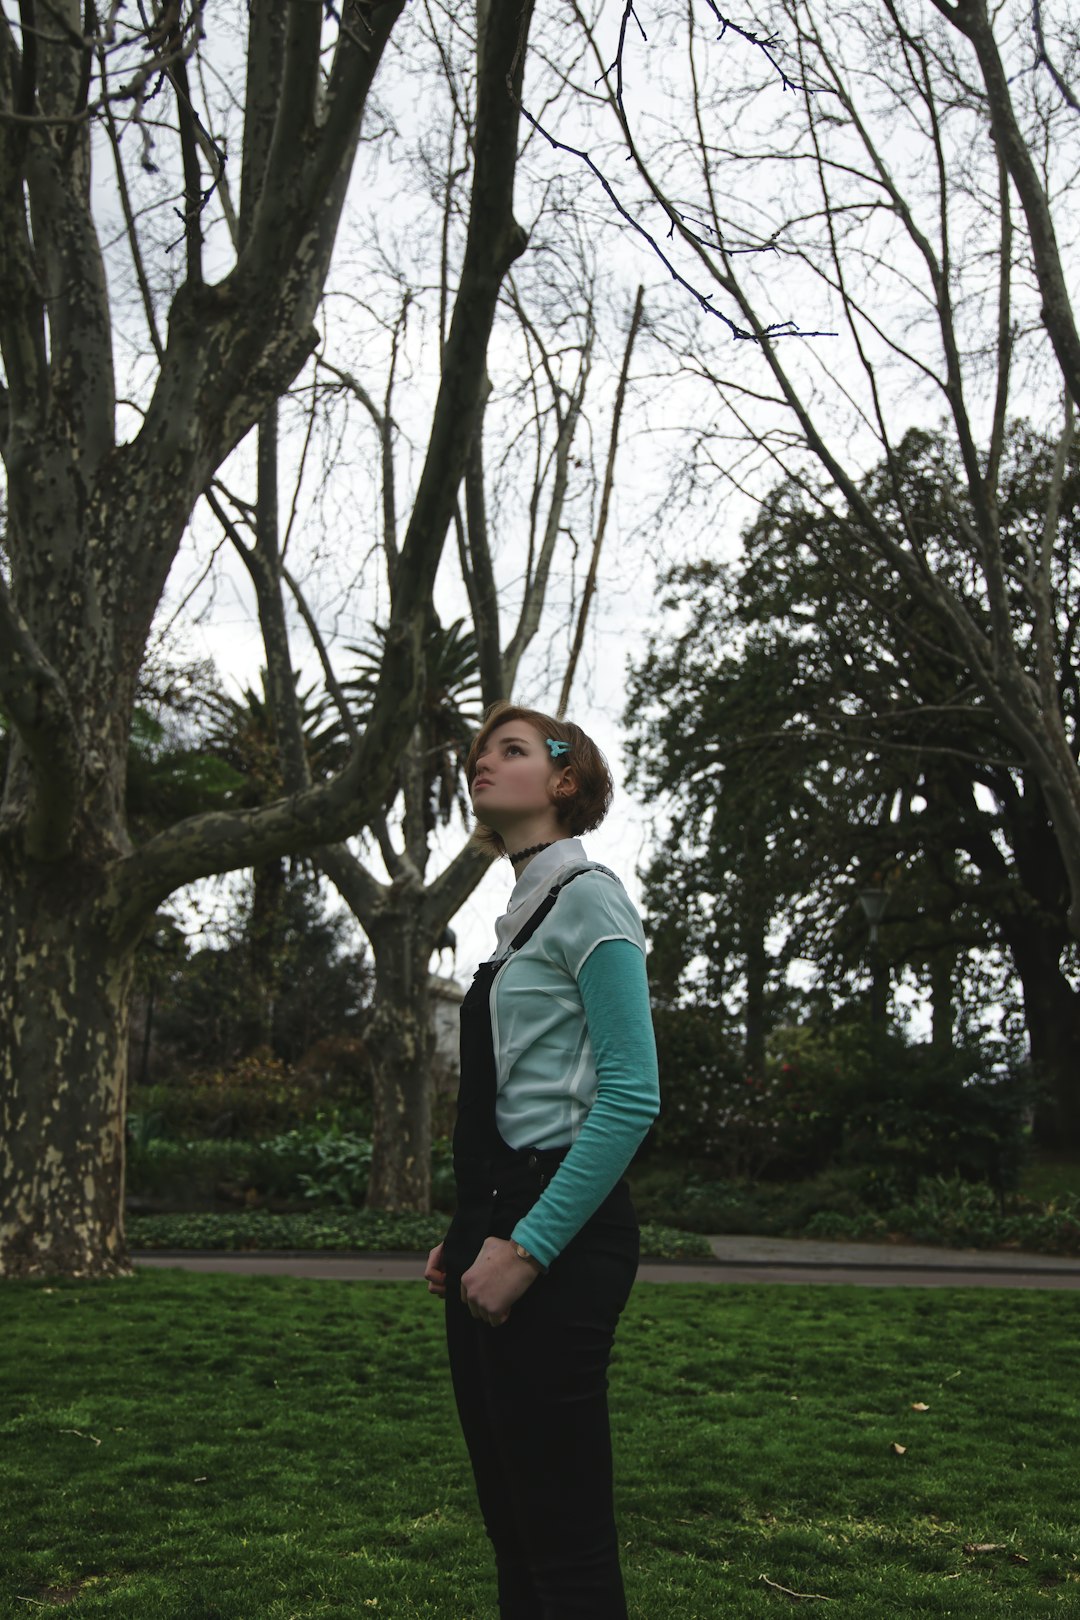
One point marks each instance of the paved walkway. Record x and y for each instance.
(736, 1259)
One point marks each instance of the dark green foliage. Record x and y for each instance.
(857, 1097)
(166, 781)
(843, 1096)
(257, 1096)
(242, 732)
(448, 720)
(959, 1214)
(201, 1005)
(700, 1070)
(323, 1163)
(857, 1205)
(316, 1163)
(812, 732)
(289, 978)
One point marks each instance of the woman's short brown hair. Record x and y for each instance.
(580, 811)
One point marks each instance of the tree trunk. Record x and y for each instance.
(942, 966)
(1052, 1014)
(93, 529)
(754, 930)
(879, 988)
(264, 946)
(401, 1042)
(65, 991)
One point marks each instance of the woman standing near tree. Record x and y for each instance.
(558, 1087)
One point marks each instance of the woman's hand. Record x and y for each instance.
(497, 1277)
(434, 1274)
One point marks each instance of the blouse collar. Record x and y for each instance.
(533, 884)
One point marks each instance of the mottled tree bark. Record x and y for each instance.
(93, 529)
(64, 999)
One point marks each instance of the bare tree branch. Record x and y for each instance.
(1043, 57)
(605, 502)
(972, 20)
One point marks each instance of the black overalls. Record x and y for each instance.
(532, 1393)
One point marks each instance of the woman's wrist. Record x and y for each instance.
(529, 1259)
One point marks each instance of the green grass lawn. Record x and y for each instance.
(187, 1447)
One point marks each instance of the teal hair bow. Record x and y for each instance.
(557, 748)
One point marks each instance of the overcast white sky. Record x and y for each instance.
(335, 546)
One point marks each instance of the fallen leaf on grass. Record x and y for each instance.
(898, 1448)
(919, 1406)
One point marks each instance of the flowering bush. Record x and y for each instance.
(259, 1094)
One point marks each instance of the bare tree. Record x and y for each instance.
(406, 917)
(95, 520)
(887, 178)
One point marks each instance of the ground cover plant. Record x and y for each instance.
(306, 1188)
(206, 1447)
(1041, 1216)
(376, 1231)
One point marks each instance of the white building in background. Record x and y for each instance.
(446, 997)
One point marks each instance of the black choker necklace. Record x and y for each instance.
(533, 851)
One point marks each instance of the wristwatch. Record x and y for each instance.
(519, 1249)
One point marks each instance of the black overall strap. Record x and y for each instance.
(542, 910)
(483, 1161)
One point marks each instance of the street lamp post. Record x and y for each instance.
(873, 901)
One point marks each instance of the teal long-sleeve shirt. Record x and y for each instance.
(615, 997)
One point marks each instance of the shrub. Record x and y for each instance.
(443, 1190)
(325, 1166)
(843, 1097)
(855, 1098)
(259, 1095)
(708, 1106)
(856, 1204)
(325, 1163)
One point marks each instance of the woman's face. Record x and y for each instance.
(514, 773)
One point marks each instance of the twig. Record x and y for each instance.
(1043, 56)
(823, 1596)
(676, 221)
